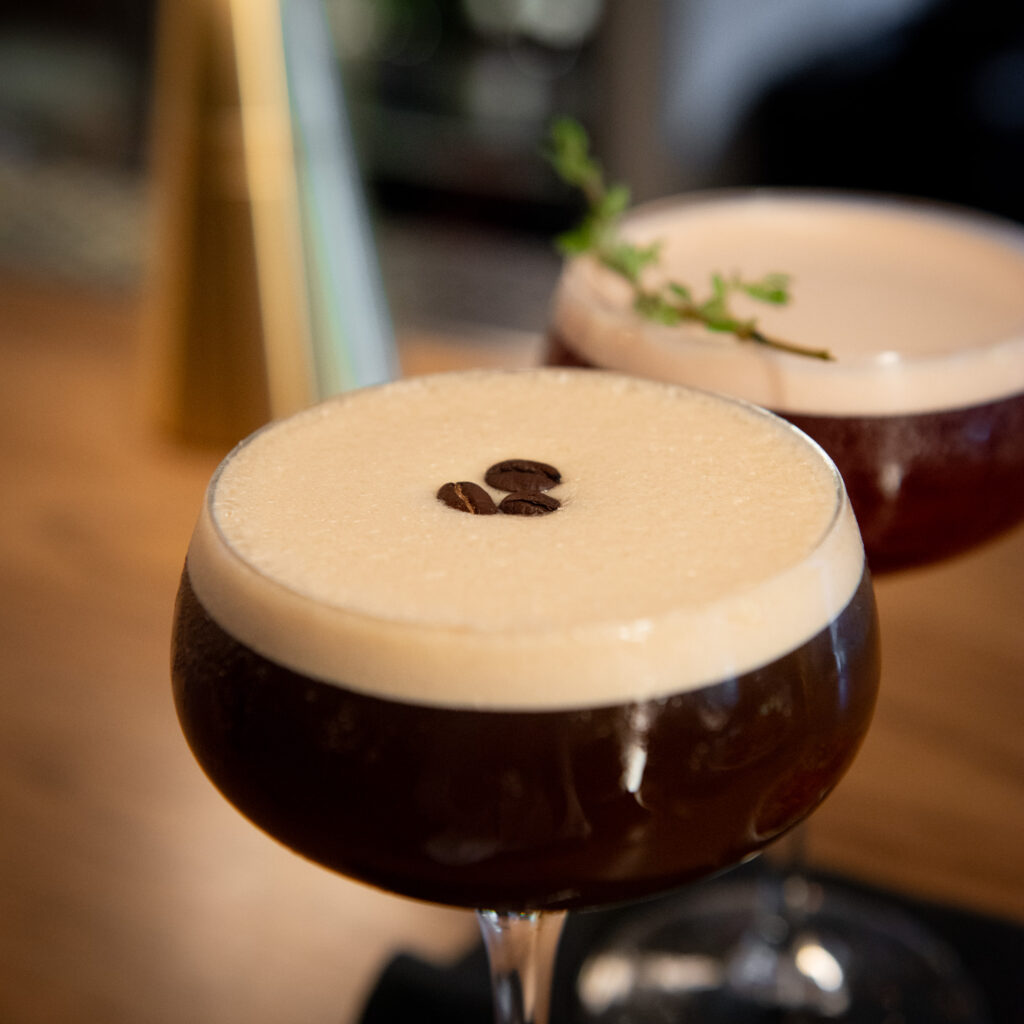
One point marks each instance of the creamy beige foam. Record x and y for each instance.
(698, 537)
(923, 306)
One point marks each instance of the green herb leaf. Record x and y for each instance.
(569, 152)
(629, 260)
(657, 308)
(772, 288)
(578, 240)
(613, 203)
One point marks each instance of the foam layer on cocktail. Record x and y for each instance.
(697, 539)
(922, 306)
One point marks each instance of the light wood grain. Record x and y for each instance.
(130, 891)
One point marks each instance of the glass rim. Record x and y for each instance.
(834, 560)
(840, 496)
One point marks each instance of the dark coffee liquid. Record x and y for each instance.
(930, 485)
(520, 809)
(924, 486)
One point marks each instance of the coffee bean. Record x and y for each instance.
(467, 497)
(520, 475)
(528, 503)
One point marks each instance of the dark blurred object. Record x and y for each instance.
(988, 948)
(934, 108)
(74, 101)
(74, 79)
(924, 97)
(452, 98)
(450, 101)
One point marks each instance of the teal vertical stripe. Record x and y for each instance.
(353, 337)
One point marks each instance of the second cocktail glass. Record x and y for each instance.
(657, 655)
(922, 407)
(922, 307)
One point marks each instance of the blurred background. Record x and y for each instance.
(449, 100)
(201, 196)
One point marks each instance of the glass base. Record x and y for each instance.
(808, 952)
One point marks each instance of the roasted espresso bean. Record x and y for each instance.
(528, 503)
(467, 497)
(521, 475)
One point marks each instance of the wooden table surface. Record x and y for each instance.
(131, 892)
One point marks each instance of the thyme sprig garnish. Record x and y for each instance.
(670, 303)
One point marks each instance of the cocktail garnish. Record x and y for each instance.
(528, 503)
(525, 479)
(670, 303)
(467, 497)
(522, 475)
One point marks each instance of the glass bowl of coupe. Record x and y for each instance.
(920, 309)
(526, 642)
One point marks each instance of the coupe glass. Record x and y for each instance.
(922, 409)
(526, 714)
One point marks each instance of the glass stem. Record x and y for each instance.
(783, 890)
(792, 849)
(521, 950)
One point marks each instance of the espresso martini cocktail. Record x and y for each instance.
(922, 308)
(634, 653)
